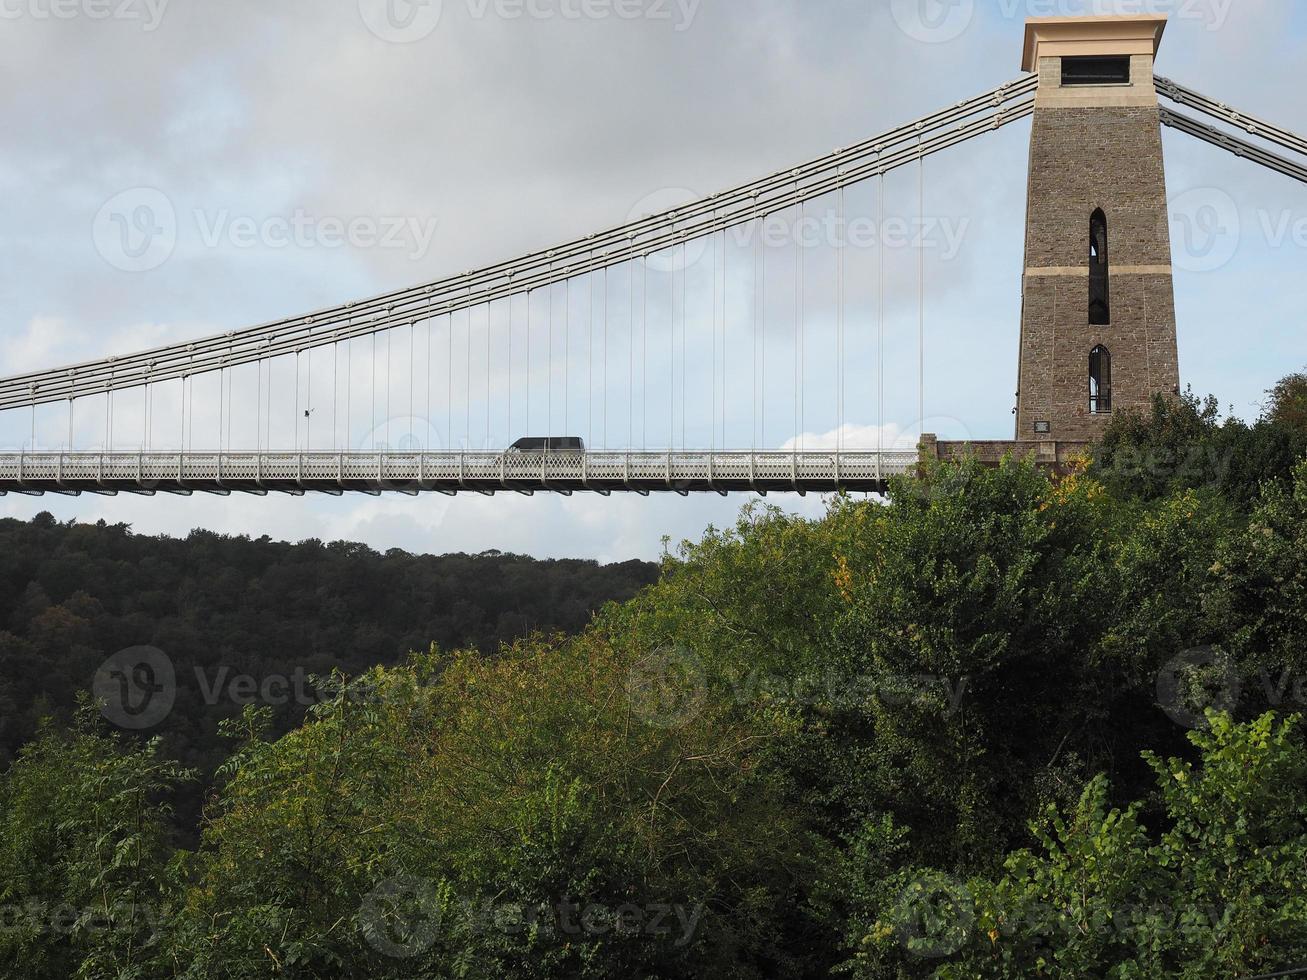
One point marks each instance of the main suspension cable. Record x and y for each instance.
(739, 205)
(1251, 124)
(1233, 144)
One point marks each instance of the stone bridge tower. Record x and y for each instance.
(1098, 307)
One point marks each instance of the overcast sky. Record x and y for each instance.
(476, 130)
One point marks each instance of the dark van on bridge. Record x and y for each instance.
(549, 444)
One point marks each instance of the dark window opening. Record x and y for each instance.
(1100, 310)
(1100, 380)
(1096, 71)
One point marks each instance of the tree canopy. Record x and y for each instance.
(1004, 724)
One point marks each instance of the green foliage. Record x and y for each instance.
(507, 817)
(85, 886)
(966, 612)
(1222, 891)
(952, 659)
(1153, 454)
(922, 737)
(1260, 590)
(1182, 444)
(1287, 402)
(222, 607)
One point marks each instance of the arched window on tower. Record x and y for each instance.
(1100, 312)
(1100, 380)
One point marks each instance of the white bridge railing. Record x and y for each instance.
(600, 472)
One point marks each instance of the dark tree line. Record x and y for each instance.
(228, 607)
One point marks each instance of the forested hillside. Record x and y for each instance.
(1003, 726)
(223, 607)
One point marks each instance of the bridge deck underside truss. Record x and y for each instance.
(450, 473)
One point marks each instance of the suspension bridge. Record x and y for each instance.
(636, 336)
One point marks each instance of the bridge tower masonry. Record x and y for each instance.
(1098, 328)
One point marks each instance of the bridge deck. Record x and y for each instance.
(411, 473)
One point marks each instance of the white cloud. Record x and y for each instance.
(38, 344)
